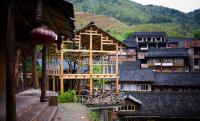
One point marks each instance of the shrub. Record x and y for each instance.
(69, 96)
(94, 116)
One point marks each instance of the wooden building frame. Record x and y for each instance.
(93, 46)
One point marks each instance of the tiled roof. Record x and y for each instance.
(131, 71)
(130, 65)
(136, 75)
(150, 34)
(180, 41)
(166, 105)
(177, 79)
(167, 52)
(130, 42)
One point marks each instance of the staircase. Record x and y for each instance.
(37, 111)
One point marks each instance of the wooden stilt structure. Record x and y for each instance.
(92, 45)
(10, 64)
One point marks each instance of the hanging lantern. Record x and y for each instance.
(43, 35)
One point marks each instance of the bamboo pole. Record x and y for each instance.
(117, 79)
(54, 71)
(91, 70)
(61, 70)
(79, 72)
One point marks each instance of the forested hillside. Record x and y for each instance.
(121, 31)
(140, 16)
(134, 13)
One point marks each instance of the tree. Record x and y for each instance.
(197, 34)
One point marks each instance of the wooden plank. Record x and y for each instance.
(44, 74)
(89, 34)
(117, 73)
(61, 70)
(79, 46)
(10, 63)
(87, 51)
(90, 62)
(87, 76)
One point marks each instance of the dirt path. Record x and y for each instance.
(72, 112)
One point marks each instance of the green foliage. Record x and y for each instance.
(137, 18)
(94, 116)
(97, 69)
(133, 13)
(69, 96)
(197, 34)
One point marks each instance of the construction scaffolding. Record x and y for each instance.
(77, 59)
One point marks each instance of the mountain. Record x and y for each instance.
(195, 15)
(133, 13)
(121, 30)
(122, 17)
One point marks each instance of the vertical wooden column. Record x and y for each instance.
(47, 71)
(44, 74)
(79, 72)
(79, 46)
(10, 64)
(54, 71)
(103, 73)
(117, 74)
(91, 70)
(34, 66)
(25, 68)
(61, 69)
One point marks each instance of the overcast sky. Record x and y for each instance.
(182, 5)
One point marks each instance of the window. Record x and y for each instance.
(161, 89)
(127, 107)
(139, 39)
(144, 87)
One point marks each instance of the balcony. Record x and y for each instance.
(144, 66)
(143, 48)
(157, 64)
(167, 64)
(196, 67)
(195, 43)
(197, 55)
(141, 55)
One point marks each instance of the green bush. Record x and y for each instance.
(69, 96)
(94, 116)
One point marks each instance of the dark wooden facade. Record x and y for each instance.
(18, 18)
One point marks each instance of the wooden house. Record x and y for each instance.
(18, 19)
(79, 59)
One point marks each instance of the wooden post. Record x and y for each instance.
(44, 74)
(102, 86)
(90, 62)
(54, 71)
(25, 68)
(47, 71)
(79, 72)
(61, 70)
(117, 74)
(10, 64)
(34, 67)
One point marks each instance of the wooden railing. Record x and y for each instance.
(106, 99)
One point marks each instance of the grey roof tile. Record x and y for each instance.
(166, 104)
(167, 52)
